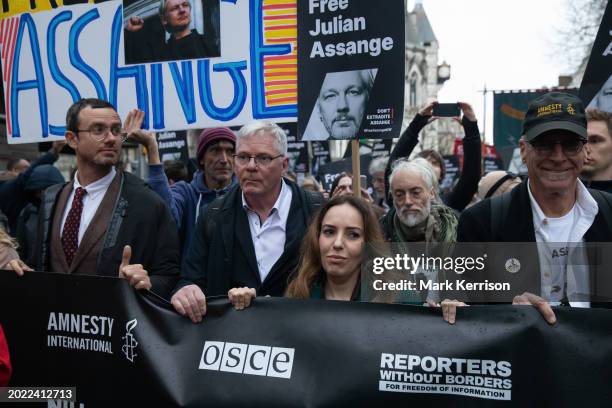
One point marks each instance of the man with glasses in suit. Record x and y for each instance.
(105, 222)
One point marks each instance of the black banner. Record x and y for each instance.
(596, 86)
(119, 347)
(351, 70)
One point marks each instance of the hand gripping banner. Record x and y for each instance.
(120, 347)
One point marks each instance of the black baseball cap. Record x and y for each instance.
(555, 111)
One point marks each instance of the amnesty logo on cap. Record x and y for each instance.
(555, 111)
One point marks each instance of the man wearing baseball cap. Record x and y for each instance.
(215, 177)
(552, 207)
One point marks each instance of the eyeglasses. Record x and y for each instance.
(262, 160)
(570, 146)
(99, 132)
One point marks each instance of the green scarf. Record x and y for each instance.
(439, 226)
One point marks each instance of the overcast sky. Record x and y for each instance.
(503, 44)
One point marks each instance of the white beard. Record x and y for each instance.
(412, 220)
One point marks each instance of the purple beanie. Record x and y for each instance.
(212, 135)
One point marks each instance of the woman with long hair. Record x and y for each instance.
(332, 252)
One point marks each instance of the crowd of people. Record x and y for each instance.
(241, 228)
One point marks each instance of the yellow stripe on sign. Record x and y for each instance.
(272, 63)
(284, 21)
(289, 88)
(280, 103)
(10, 8)
(288, 12)
(278, 77)
(292, 32)
(286, 70)
(266, 2)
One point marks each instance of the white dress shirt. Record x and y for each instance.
(563, 263)
(269, 238)
(91, 201)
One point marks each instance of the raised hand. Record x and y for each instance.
(135, 274)
(134, 24)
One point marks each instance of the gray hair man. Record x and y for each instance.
(416, 216)
(244, 238)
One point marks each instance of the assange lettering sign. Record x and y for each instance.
(120, 347)
(54, 57)
(351, 71)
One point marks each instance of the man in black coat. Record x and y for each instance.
(250, 236)
(553, 208)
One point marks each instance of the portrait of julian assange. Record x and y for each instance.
(340, 106)
(170, 30)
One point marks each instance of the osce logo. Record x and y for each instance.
(247, 359)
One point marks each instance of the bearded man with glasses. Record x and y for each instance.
(552, 208)
(250, 237)
(105, 222)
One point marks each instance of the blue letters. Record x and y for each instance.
(137, 72)
(75, 56)
(235, 107)
(258, 50)
(38, 83)
(184, 88)
(157, 94)
(54, 69)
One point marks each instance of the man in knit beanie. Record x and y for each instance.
(187, 200)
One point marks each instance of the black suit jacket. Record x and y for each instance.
(222, 255)
(475, 225)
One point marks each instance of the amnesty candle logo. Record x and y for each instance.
(130, 342)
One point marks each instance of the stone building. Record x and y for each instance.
(425, 76)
